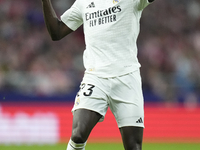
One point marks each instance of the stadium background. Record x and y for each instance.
(39, 78)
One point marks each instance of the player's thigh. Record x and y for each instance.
(92, 95)
(132, 137)
(127, 102)
(83, 122)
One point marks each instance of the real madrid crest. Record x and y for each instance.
(77, 102)
(115, 1)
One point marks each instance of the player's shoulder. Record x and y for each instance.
(83, 3)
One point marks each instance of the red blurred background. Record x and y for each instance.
(162, 123)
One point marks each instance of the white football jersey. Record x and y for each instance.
(111, 28)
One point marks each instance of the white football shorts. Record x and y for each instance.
(122, 94)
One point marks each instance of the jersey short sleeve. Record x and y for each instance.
(73, 17)
(142, 4)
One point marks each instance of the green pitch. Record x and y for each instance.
(108, 146)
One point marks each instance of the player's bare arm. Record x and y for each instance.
(56, 28)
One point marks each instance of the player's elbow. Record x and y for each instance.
(54, 34)
(59, 32)
(55, 37)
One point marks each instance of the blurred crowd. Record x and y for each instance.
(169, 51)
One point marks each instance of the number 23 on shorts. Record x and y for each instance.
(88, 91)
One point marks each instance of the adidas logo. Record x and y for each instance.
(91, 5)
(139, 120)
